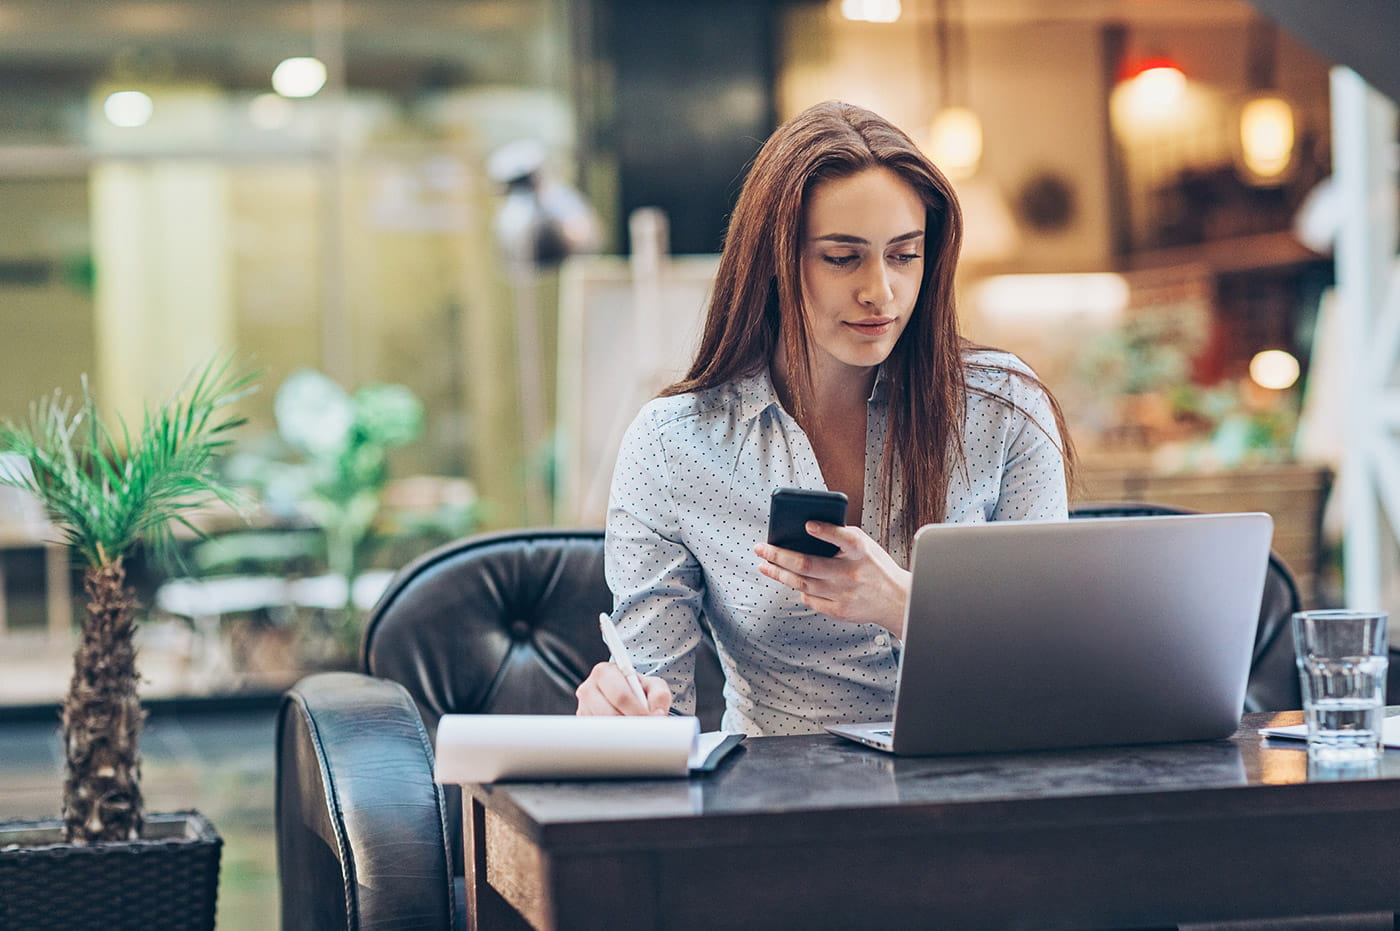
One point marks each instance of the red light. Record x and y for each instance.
(1153, 63)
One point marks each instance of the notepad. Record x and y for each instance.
(492, 747)
(1390, 732)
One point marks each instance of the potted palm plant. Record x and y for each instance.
(109, 491)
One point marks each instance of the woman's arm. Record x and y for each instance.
(862, 583)
(657, 584)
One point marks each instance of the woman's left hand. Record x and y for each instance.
(862, 583)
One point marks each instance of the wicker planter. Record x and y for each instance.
(169, 879)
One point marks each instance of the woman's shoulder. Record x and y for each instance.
(993, 368)
(1002, 380)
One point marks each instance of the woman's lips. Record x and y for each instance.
(871, 326)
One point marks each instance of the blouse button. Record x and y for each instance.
(881, 640)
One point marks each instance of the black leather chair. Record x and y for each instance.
(504, 623)
(494, 623)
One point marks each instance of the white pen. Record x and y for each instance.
(619, 656)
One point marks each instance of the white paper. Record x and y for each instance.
(1390, 732)
(488, 747)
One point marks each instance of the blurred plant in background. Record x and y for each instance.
(1138, 380)
(329, 465)
(1238, 424)
(1135, 385)
(1147, 353)
(282, 595)
(343, 442)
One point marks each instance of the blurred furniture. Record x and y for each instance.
(496, 623)
(813, 831)
(218, 657)
(1294, 494)
(1273, 677)
(211, 598)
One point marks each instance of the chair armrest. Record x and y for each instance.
(361, 839)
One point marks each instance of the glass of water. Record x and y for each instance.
(1342, 665)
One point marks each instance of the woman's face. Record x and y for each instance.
(862, 263)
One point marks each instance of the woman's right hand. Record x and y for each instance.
(606, 691)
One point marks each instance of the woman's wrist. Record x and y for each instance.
(894, 622)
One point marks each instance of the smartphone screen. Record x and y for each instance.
(791, 508)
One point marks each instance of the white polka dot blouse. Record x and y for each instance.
(690, 499)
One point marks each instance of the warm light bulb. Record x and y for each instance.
(1266, 137)
(299, 77)
(1156, 90)
(955, 142)
(1274, 369)
(871, 11)
(128, 109)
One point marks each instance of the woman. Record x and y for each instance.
(830, 358)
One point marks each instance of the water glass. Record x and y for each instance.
(1342, 667)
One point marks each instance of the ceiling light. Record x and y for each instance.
(299, 77)
(1156, 87)
(871, 11)
(1267, 133)
(1266, 138)
(955, 134)
(128, 109)
(955, 142)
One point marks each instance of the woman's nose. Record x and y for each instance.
(875, 287)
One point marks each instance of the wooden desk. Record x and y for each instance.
(815, 832)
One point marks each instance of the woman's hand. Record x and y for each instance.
(606, 691)
(862, 583)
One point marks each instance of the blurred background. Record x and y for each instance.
(464, 240)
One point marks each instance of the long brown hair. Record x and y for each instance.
(757, 297)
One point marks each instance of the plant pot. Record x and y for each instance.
(169, 879)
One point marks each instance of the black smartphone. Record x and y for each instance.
(791, 508)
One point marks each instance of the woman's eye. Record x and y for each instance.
(905, 258)
(840, 261)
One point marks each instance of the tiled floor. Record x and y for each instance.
(219, 762)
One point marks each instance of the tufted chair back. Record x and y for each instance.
(501, 623)
(494, 623)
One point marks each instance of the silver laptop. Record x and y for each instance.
(1090, 632)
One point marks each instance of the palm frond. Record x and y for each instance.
(107, 495)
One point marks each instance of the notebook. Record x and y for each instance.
(1089, 632)
(490, 747)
